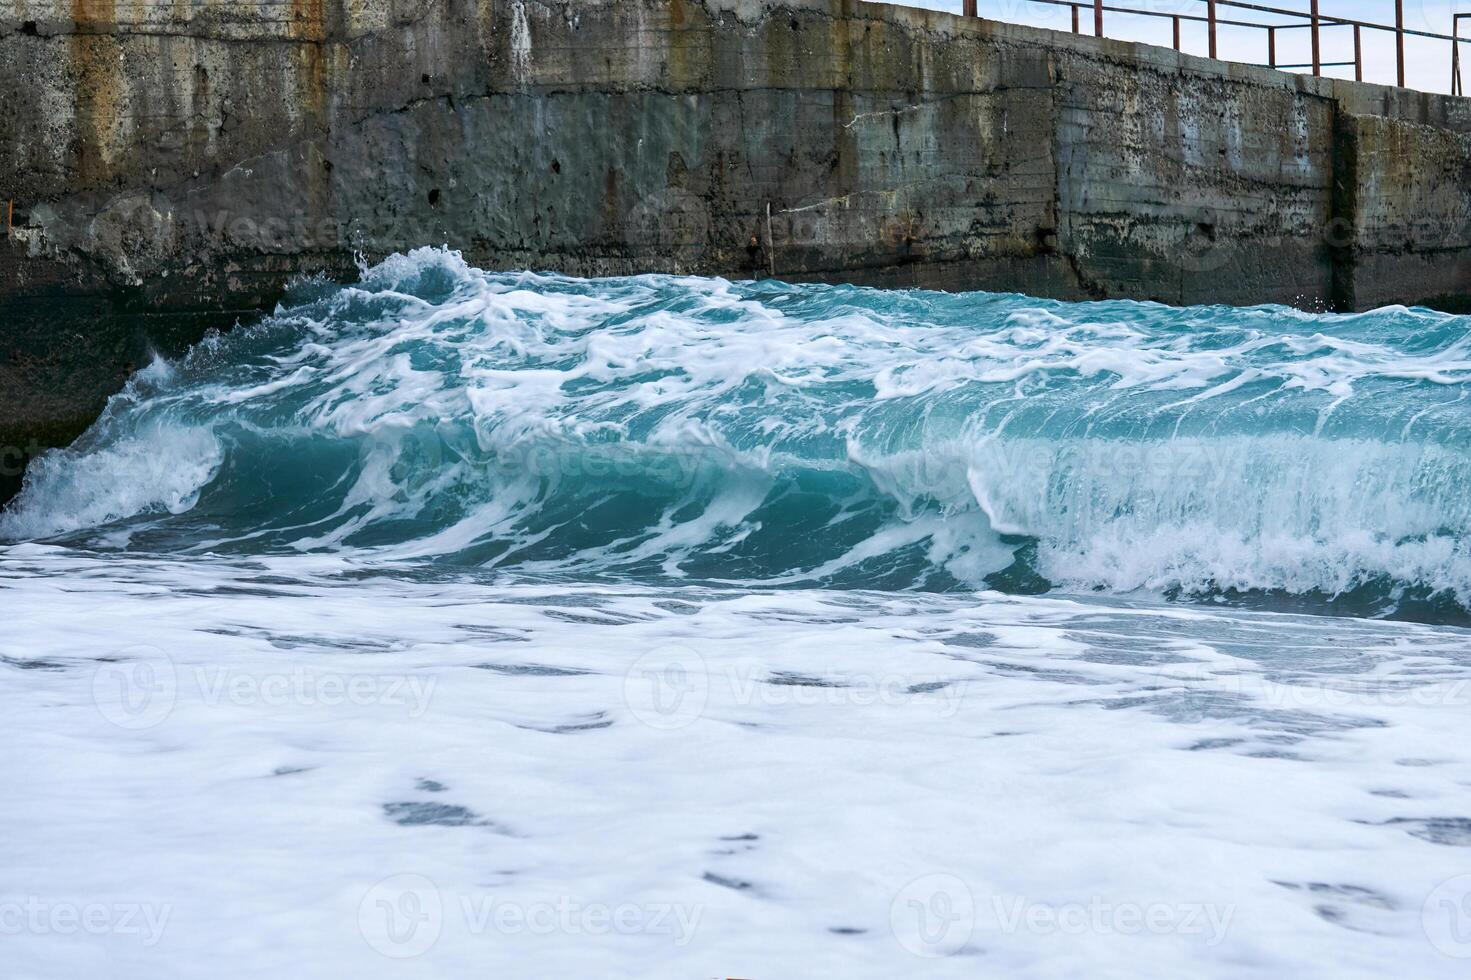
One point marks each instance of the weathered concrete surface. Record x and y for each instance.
(173, 165)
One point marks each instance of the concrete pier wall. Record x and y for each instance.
(173, 165)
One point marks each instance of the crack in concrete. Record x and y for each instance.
(889, 113)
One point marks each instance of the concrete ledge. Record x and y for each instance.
(170, 169)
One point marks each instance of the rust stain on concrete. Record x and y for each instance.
(309, 24)
(98, 97)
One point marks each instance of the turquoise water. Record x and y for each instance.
(456, 623)
(659, 429)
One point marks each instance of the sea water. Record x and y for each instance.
(457, 623)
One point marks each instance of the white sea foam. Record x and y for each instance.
(316, 767)
(458, 623)
(161, 469)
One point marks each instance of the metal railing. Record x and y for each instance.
(1457, 87)
(1312, 20)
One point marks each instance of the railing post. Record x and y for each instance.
(1210, 16)
(1075, 18)
(1098, 18)
(969, 8)
(1272, 47)
(1455, 54)
(1176, 19)
(1399, 41)
(1317, 55)
(1358, 56)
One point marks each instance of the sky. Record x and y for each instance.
(1427, 62)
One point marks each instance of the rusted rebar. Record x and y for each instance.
(1317, 52)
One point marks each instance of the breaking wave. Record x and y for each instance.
(760, 433)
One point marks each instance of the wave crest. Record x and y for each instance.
(758, 432)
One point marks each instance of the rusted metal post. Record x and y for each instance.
(1272, 47)
(1075, 18)
(1399, 42)
(1358, 56)
(1317, 54)
(1176, 19)
(969, 8)
(1210, 16)
(1456, 55)
(1098, 18)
